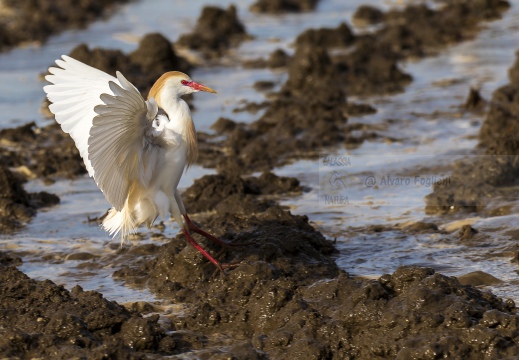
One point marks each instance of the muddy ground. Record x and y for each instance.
(28, 21)
(286, 297)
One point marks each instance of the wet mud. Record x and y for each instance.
(287, 298)
(229, 193)
(283, 6)
(284, 296)
(17, 206)
(40, 319)
(215, 32)
(311, 110)
(28, 21)
(494, 169)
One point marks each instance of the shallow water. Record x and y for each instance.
(430, 132)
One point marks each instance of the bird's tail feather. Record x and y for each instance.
(120, 222)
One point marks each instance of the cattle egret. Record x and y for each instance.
(135, 150)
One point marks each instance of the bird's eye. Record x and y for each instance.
(184, 82)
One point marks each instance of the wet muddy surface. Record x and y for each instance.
(27, 21)
(288, 293)
(495, 168)
(282, 6)
(216, 31)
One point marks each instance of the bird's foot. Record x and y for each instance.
(219, 266)
(223, 266)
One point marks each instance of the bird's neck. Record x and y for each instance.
(181, 122)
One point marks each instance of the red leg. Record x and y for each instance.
(193, 243)
(197, 246)
(203, 233)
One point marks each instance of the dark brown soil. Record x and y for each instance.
(24, 21)
(17, 206)
(40, 319)
(229, 192)
(282, 6)
(42, 152)
(216, 31)
(368, 15)
(342, 36)
(288, 299)
(277, 59)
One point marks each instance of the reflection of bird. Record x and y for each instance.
(135, 150)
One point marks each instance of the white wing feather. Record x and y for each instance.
(75, 92)
(107, 118)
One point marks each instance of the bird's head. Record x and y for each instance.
(175, 84)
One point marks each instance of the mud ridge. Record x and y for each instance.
(493, 170)
(287, 298)
(216, 31)
(41, 319)
(27, 21)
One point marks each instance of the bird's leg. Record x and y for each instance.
(220, 266)
(220, 242)
(197, 246)
(177, 210)
(203, 233)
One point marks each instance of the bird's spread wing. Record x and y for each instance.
(107, 118)
(75, 92)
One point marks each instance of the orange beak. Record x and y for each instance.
(200, 87)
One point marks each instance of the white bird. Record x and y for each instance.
(135, 150)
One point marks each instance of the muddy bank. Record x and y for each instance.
(28, 21)
(34, 152)
(371, 67)
(41, 319)
(494, 169)
(18, 206)
(283, 6)
(287, 298)
(230, 193)
(28, 152)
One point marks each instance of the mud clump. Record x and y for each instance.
(368, 15)
(287, 297)
(154, 56)
(307, 114)
(342, 36)
(228, 192)
(418, 30)
(216, 31)
(16, 205)
(42, 319)
(475, 182)
(474, 101)
(35, 21)
(283, 6)
(277, 59)
(40, 152)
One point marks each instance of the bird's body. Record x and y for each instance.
(135, 150)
